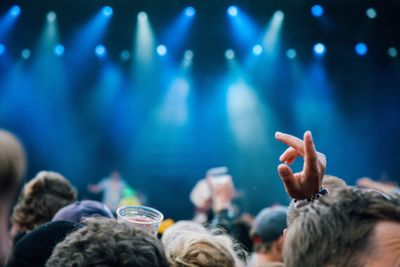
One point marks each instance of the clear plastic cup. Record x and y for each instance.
(146, 218)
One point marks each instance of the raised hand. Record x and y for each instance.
(306, 183)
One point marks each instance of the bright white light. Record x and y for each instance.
(188, 55)
(59, 50)
(190, 11)
(142, 16)
(26, 53)
(100, 50)
(319, 49)
(107, 11)
(232, 11)
(279, 15)
(291, 53)
(257, 50)
(230, 54)
(51, 16)
(125, 55)
(392, 52)
(371, 13)
(161, 50)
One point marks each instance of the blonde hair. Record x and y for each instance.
(198, 247)
(40, 200)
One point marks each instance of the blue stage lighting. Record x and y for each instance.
(59, 50)
(100, 50)
(361, 49)
(2, 49)
(291, 53)
(371, 13)
(319, 49)
(142, 16)
(26, 53)
(125, 55)
(15, 10)
(161, 50)
(107, 11)
(392, 52)
(51, 16)
(317, 10)
(190, 11)
(230, 54)
(232, 11)
(188, 55)
(257, 50)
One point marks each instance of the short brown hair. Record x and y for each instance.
(106, 242)
(12, 163)
(337, 230)
(41, 198)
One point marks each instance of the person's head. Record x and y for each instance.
(79, 210)
(115, 175)
(352, 227)
(194, 246)
(40, 199)
(106, 242)
(12, 163)
(267, 232)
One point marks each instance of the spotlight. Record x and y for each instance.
(361, 49)
(107, 11)
(51, 16)
(188, 55)
(190, 11)
(279, 15)
(125, 55)
(59, 50)
(371, 13)
(15, 10)
(161, 50)
(26, 53)
(2, 49)
(229, 54)
(317, 10)
(100, 50)
(319, 49)
(257, 49)
(392, 52)
(142, 16)
(291, 53)
(232, 11)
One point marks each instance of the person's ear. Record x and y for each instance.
(257, 239)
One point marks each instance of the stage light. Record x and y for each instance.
(188, 55)
(100, 50)
(371, 13)
(392, 52)
(317, 10)
(26, 53)
(15, 10)
(291, 53)
(257, 49)
(361, 49)
(161, 50)
(2, 49)
(107, 11)
(279, 15)
(125, 55)
(319, 49)
(232, 11)
(51, 16)
(190, 11)
(142, 16)
(59, 50)
(229, 54)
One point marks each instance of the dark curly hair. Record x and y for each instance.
(106, 242)
(40, 199)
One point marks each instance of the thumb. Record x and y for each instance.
(288, 179)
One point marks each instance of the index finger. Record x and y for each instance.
(291, 141)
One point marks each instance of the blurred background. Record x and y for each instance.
(164, 90)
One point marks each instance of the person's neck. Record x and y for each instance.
(4, 240)
(266, 257)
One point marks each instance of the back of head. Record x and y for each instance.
(105, 242)
(40, 199)
(12, 163)
(201, 249)
(338, 230)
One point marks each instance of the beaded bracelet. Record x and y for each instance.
(321, 193)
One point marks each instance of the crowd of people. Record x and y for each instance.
(328, 223)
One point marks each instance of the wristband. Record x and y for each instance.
(321, 193)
